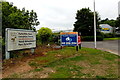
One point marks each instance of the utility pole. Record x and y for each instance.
(94, 26)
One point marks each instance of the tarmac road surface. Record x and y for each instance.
(111, 46)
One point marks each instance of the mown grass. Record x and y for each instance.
(117, 38)
(69, 63)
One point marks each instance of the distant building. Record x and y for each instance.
(105, 28)
(119, 8)
(57, 31)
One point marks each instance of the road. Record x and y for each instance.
(111, 46)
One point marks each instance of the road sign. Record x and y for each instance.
(69, 38)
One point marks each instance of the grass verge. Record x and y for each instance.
(69, 63)
(117, 38)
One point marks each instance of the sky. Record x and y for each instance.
(60, 14)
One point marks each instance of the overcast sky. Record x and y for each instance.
(60, 14)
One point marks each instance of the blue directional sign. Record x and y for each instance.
(69, 39)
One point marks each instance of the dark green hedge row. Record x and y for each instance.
(91, 38)
(109, 35)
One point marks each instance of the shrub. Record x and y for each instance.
(56, 39)
(108, 35)
(87, 38)
(91, 38)
(100, 38)
(44, 35)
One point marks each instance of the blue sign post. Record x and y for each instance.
(69, 39)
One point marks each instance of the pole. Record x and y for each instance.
(32, 51)
(94, 26)
(76, 48)
(7, 53)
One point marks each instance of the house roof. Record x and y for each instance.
(105, 26)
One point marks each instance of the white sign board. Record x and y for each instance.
(20, 39)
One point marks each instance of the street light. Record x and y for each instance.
(94, 26)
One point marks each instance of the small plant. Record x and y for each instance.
(34, 64)
(15, 75)
(108, 35)
(38, 69)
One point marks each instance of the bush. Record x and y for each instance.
(108, 35)
(91, 38)
(100, 38)
(87, 38)
(44, 35)
(56, 39)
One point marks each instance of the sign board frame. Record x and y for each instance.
(10, 32)
(69, 34)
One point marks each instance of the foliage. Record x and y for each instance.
(16, 18)
(44, 34)
(116, 38)
(108, 35)
(56, 39)
(91, 38)
(12, 17)
(113, 23)
(118, 22)
(84, 23)
(99, 37)
(110, 22)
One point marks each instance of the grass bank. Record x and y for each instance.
(69, 63)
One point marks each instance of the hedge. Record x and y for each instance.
(91, 38)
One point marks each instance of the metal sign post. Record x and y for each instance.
(7, 54)
(94, 26)
(32, 51)
(77, 48)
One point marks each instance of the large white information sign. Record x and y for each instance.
(20, 39)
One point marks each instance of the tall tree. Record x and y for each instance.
(16, 18)
(110, 22)
(84, 23)
(118, 22)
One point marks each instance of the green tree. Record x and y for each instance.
(16, 18)
(118, 22)
(44, 34)
(85, 22)
(110, 22)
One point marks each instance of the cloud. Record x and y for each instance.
(60, 14)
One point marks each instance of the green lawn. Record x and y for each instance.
(69, 63)
(117, 38)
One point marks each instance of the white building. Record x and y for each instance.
(68, 30)
(105, 28)
(119, 8)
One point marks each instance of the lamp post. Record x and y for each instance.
(94, 26)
